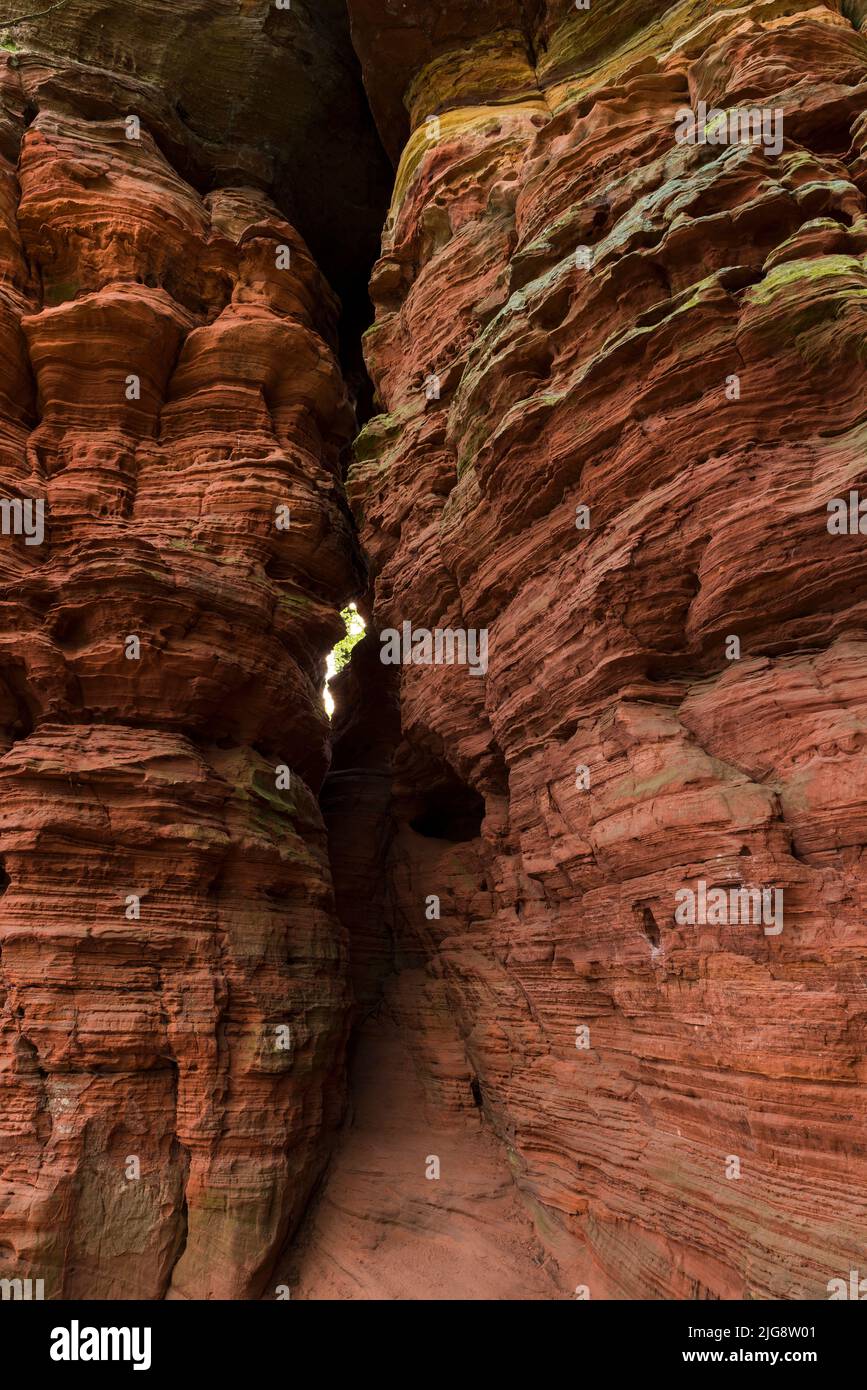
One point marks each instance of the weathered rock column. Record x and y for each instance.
(173, 977)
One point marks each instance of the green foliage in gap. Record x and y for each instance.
(354, 624)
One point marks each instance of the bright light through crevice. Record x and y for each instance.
(337, 659)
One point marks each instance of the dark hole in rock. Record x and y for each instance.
(649, 927)
(451, 813)
(477, 1091)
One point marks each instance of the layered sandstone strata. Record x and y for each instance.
(557, 1084)
(670, 335)
(172, 972)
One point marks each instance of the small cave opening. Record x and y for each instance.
(476, 1092)
(649, 927)
(5, 880)
(450, 811)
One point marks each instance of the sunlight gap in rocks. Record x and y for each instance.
(340, 654)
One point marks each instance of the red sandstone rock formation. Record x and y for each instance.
(577, 318)
(562, 386)
(172, 973)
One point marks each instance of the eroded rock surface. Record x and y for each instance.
(173, 976)
(605, 379)
(556, 1084)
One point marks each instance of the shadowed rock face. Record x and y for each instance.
(234, 91)
(682, 1105)
(618, 380)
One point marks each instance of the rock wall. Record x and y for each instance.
(620, 379)
(173, 982)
